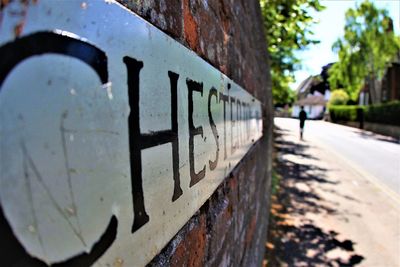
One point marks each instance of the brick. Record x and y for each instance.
(191, 251)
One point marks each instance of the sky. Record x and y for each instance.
(329, 29)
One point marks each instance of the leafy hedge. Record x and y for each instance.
(388, 113)
(344, 113)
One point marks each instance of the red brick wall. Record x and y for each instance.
(229, 229)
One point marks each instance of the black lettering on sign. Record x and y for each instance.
(193, 131)
(224, 99)
(243, 122)
(139, 141)
(213, 92)
(233, 144)
(11, 55)
(239, 123)
(49, 42)
(247, 118)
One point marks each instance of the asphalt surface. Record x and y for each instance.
(335, 203)
(375, 155)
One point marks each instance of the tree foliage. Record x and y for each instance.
(339, 97)
(367, 47)
(286, 24)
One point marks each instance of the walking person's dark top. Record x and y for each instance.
(302, 118)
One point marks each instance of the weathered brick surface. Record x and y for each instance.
(229, 229)
(191, 250)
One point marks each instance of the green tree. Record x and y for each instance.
(287, 28)
(339, 97)
(367, 47)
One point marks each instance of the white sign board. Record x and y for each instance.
(112, 134)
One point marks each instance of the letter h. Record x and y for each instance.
(139, 141)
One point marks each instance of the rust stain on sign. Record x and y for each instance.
(19, 11)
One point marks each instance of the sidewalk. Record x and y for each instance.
(327, 214)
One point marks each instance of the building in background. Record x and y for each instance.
(313, 93)
(387, 89)
(391, 81)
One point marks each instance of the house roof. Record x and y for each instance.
(312, 100)
(305, 85)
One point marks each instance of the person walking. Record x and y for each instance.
(302, 118)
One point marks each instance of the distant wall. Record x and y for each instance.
(390, 130)
(384, 129)
(230, 228)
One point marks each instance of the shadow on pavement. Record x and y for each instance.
(378, 137)
(302, 242)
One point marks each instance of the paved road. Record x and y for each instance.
(374, 155)
(337, 203)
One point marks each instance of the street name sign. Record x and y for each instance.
(112, 134)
